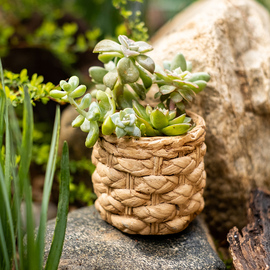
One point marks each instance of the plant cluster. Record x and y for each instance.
(20, 248)
(126, 78)
(16, 82)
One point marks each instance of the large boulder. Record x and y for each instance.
(230, 40)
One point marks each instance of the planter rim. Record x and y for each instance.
(197, 133)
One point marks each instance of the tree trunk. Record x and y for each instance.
(251, 249)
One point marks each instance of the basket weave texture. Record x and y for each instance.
(151, 185)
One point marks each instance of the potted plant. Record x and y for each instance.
(149, 175)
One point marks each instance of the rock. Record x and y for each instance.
(91, 243)
(230, 40)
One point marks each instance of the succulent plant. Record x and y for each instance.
(130, 65)
(177, 85)
(125, 79)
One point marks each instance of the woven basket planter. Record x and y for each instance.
(151, 185)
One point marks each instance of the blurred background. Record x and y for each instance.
(55, 39)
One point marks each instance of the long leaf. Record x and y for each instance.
(2, 106)
(4, 249)
(5, 175)
(62, 212)
(27, 139)
(9, 220)
(47, 187)
(24, 185)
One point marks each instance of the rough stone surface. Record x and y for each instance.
(230, 40)
(91, 243)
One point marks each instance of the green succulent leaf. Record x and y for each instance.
(97, 74)
(65, 86)
(78, 92)
(78, 121)
(204, 76)
(149, 130)
(57, 93)
(179, 61)
(108, 127)
(120, 132)
(127, 71)
(101, 87)
(167, 89)
(108, 56)
(107, 45)
(189, 66)
(110, 79)
(143, 47)
(172, 115)
(167, 65)
(177, 129)
(140, 111)
(86, 101)
(163, 76)
(73, 81)
(176, 97)
(146, 62)
(125, 100)
(201, 86)
(180, 106)
(93, 134)
(106, 104)
(148, 109)
(139, 90)
(94, 113)
(187, 120)
(85, 126)
(158, 119)
(146, 79)
(180, 119)
(143, 129)
(187, 94)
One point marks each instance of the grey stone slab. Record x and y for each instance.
(91, 243)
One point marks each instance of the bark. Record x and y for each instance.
(251, 248)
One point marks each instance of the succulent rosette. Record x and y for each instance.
(125, 79)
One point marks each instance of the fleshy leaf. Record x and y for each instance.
(97, 74)
(108, 56)
(127, 71)
(139, 90)
(92, 135)
(143, 46)
(110, 79)
(177, 129)
(179, 61)
(167, 89)
(107, 45)
(146, 62)
(73, 81)
(158, 119)
(78, 92)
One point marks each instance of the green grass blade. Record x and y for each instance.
(2, 106)
(47, 186)
(24, 185)
(62, 212)
(3, 250)
(18, 217)
(27, 139)
(7, 208)
(32, 259)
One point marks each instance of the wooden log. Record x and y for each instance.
(251, 248)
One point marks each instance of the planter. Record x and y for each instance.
(151, 185)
